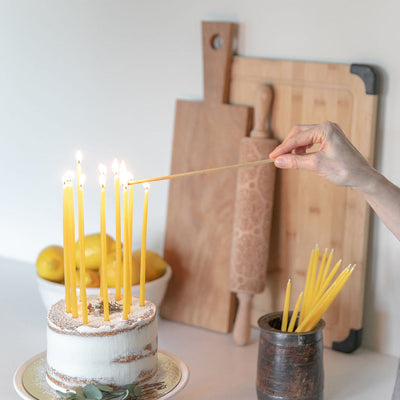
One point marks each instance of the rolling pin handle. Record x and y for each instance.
(262, 109)
(241, 330)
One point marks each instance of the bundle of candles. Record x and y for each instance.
(318, 293)
(122, 179)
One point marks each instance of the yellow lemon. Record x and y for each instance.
(93, 250)
(50, 263)
(112, 272)
(155, 264)
(92, 278)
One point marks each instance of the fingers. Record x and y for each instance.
(301, 138)
(292, 161)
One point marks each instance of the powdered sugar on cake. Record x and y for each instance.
(115, 352)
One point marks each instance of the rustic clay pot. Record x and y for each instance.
(290, 365)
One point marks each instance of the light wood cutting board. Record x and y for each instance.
(308, 209)
(199, 227)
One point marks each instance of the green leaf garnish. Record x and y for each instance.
(92, 392)
(97, 391)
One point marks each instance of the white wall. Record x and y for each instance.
(103, 76)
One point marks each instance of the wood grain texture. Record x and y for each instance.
(200, 209)
(307, 208)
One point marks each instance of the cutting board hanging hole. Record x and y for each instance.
(217, 42)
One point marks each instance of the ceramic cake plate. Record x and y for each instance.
(30, 378)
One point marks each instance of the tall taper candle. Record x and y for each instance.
(82, 288)
(71, 250)
(118, 275)
(143, 248)
(67, 282)
(127, 290)
(103, 240)
(130, 231)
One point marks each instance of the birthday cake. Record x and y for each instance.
(115, 352)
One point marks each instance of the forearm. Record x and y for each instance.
(384, 198)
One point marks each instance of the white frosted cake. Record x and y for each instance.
(116, 352)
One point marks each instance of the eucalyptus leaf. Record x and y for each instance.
(104, 388)
(79, 392)
(92, 392)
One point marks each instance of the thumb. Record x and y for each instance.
(292, 161)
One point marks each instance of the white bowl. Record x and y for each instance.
(51, 292)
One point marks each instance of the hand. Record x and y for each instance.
(336, 158)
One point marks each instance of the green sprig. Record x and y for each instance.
(96, 391)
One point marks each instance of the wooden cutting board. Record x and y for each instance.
(309, 210)
(199, 227)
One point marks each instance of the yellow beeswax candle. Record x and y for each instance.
(67, 282)
(295, 313)
(143, 248)
(83, 297)
(130, 231)
(127, 293)
(313, 276)
(303, 311)
(325, 271)
(337, 286)
(118, 275)
(327, 281)
(320, 272)
(103, 241)
(286, 307)
(71, 250)
(78, 167)
(323, 303)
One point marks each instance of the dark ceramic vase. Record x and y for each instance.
(290, 365)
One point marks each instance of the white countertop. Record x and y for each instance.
(219, 370)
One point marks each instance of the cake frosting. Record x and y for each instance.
(116, 352)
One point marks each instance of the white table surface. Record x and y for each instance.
(218, 368)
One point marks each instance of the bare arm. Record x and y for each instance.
(340, 162)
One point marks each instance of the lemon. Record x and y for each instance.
(50, 263)
(93, 250)
(112, 272)
(155, 264)
(92, 278)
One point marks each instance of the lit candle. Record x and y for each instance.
(295, 312)
(143, 248)
(83, 297)
(286, 307)
(71, 249)
(67, 283)
(78, 167)
(130, 231)
(103, 240)
(117, 231)
(126, 301)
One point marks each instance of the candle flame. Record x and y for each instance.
(102, 169)
(102, 181)
(82, 181)
(79, 157)
(115, 167)
(123, 174)
(68, 176)
(146, 185)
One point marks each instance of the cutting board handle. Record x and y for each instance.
(218, 38)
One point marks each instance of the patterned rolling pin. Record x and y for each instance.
(253, 216)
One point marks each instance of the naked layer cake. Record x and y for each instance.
(116, 352)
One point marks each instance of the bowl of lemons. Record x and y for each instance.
(50, 271)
